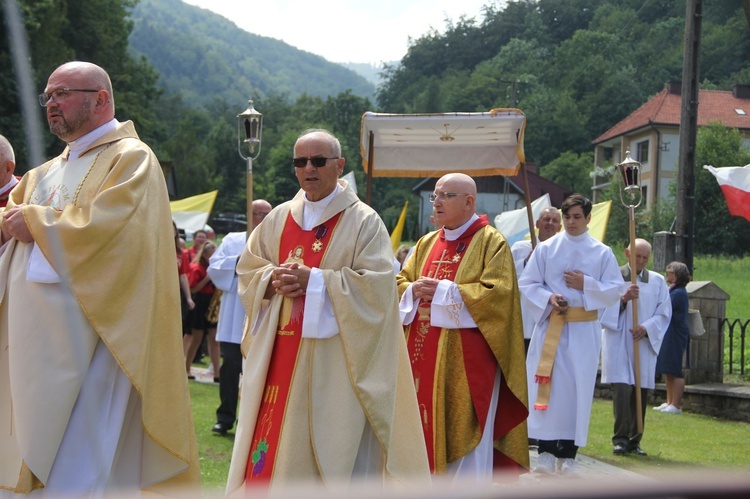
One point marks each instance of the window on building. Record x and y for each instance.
(642, 148)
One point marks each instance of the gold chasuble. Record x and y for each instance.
(454, 369)
(113, 250)
(309, 406)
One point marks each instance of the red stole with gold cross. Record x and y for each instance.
(303, 247)
(424, 345)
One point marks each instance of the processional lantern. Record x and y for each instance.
(629, 181)
(249, 132)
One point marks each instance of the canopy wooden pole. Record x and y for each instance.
(527, 197)
(636, 348)
(370, 155)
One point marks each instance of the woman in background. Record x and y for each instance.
(203, 290)
(669, 361)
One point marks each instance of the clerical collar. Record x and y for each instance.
(313, 210)
(579, 237)
(453, 234)
(11, 184)
(79, 145)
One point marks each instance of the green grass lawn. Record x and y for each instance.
(214, 450)
(673, 442)
(683, 442)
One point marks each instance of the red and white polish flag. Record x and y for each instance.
(735, 184)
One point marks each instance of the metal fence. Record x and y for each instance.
(735, 349)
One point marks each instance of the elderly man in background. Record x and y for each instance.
(326, 394)
(93, 395)
(222, 270)
(549, 223)
(7, 166)
(654, 313)
(460, 304)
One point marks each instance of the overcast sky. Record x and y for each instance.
(345, 30)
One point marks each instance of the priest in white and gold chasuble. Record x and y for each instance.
(326, 395)
(93, 393)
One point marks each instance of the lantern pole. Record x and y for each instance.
(249, 132)
(629, 171)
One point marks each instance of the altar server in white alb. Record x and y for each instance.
(549, 223)
(569, 282)
(654, 312)
(222, 270)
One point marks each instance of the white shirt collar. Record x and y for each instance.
(640, 274)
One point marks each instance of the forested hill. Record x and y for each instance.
(203, 56)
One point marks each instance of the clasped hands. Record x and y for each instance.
(424, 288)
(288, 280)
(14, 225)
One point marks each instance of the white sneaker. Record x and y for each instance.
(672, 410)
(661, 407)
(545, 464)
(569, 468)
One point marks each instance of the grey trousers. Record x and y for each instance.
(626, 426)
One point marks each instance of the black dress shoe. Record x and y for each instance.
(637, 451)
(619, 450)
(221, 428)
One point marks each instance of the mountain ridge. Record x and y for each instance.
(203, 55)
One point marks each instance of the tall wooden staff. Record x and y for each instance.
(629, 175)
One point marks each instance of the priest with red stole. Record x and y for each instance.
(7, 165)
(326, 396)
(461, 310)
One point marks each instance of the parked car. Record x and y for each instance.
(224, 223)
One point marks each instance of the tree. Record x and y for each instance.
(716, 231)
(572, 171)
(94, 31)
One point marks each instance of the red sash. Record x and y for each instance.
(303, 247)
(423, 340)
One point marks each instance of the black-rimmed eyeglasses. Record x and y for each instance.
(60, 95)
(317, 162)
(445, 195)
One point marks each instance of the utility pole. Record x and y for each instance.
(685, 216)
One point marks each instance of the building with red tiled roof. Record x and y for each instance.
(652, 135)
